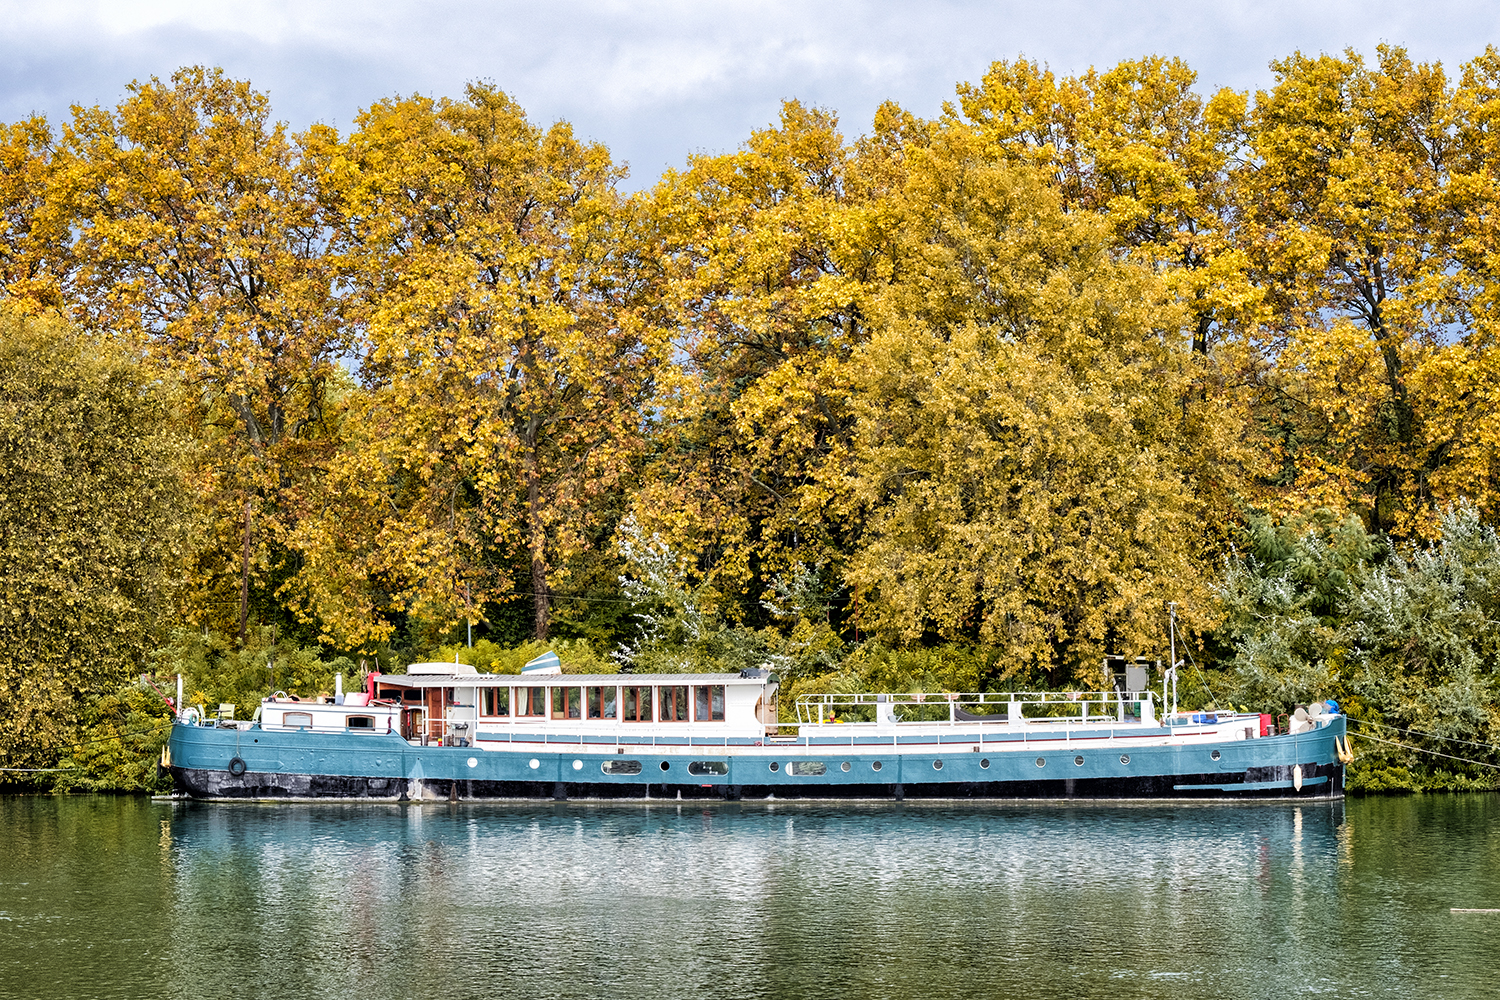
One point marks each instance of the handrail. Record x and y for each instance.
(811, 708)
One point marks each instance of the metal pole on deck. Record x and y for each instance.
(1172, 630)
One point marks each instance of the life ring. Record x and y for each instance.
(236, 766)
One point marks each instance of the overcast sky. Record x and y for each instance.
(658, 80)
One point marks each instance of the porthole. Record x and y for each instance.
(578, 765)
(1078, 760)
(665, 766)
(709, 767)
(1124, 758)
(535, 763)
(775, 766)
(621, 767)
(984, 762)
(844, 766)
(1041, 762)
(1215, 755)
(473, 761)
(876, 766)
(937, 765)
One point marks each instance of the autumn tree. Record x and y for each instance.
(92, 532)
(1138, 145)
(1028, 451)
(33, 234)
(1355, 215)
(198, 235)
(768, 255)
(507, 371)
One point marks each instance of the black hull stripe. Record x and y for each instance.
(1319, 781)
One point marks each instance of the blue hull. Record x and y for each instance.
(256, 764)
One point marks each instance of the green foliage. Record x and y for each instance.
(873, 666)
(1280, 601)
(1424, 650)
(684, 627)
(577, 655)
(217, 670)
(119, 745)
(92, 528)
(1408, 642)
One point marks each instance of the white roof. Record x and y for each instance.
(448, 669)
(429, 675)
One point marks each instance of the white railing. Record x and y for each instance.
(962, 708)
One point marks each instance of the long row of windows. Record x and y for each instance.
(670, 702)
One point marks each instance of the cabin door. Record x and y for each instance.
(411, 722)
(435, 714)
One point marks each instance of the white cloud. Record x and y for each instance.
(657, 79)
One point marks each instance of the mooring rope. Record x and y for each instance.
(1435, 753)
(60, 748)
(1430, 736)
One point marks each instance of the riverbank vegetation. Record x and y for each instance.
(962, 402)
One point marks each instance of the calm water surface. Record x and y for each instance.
(108, 897)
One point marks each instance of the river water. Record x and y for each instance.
(120, 897)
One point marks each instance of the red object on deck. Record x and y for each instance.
(1267, 724)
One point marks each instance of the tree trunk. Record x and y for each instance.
(245, 579)
(538, 544)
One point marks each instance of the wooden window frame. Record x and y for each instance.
(601, 702)
(572, 708)
(708, 691)
(530, 702)
(489, 697)
(673, 703)
(633, 693)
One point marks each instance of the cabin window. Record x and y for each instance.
(567, 703)
(601, 701)
(494, 701)
(702, 767)
(531, 702)
(672, 704)
(708, 702)
(810, 768)
(621, 767)
(637, 707)
(360, 722)
(303, 719)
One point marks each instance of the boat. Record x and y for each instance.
(445, 731)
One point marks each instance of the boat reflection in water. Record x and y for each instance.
(118, 896)
(760, 897)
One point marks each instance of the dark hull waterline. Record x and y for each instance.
(1318, 781)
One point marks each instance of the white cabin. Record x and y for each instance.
(453, 703)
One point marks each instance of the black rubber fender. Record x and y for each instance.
(236, 766)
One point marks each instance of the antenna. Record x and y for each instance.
(1172, 633)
